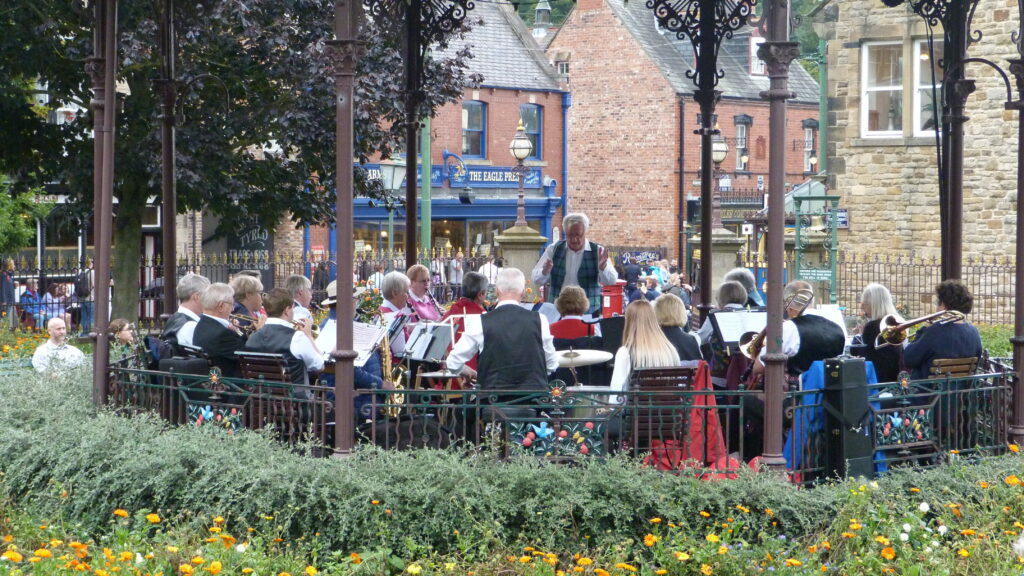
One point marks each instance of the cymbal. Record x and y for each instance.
(440, 374)
(575, 358)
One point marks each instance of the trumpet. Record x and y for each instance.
(751, 343)
(894, 333)
(249, 328)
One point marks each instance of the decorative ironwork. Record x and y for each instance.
(705, 23)
(951, 15)
(438, 18)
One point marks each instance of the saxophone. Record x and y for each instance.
(391, 374)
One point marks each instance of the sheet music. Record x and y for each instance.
(732, 325)
(365, 339)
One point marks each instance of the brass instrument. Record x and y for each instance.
(393, 375)
(751, 343)
(249, 328)
(893, 333)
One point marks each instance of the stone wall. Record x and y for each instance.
(890, 185)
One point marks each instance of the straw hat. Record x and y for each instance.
(332, 293)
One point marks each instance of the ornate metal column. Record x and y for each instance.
(777, 52)
(705, 23)
(168, 88)
(1017, 70)
(347, 49)
(426, 21)
(954, 18)
(103, 66)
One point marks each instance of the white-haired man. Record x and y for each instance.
(56, 354)
(517, 351)
(575, 261)
(190, 291)
(215, 334)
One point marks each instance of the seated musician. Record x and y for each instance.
(248, 300)
(644, 345)
(572, 304)
(745, 277)
(420, 299)
(215, 334)
(805, 337)
(731, 296)
(280, 334)
(394, 289)
(956, 339)
(474, 295)
(516, 348)
(302, 293)
(876, 303)
(190, 290)
(672, 316)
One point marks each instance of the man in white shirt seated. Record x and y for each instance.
(302, 294)
(56, 355)
(190, 291)
(280, 336)
(517, 351)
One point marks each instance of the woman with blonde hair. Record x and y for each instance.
(672, 316)
(876, 303)
(643, 345)
(420, 300)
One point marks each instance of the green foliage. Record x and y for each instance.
(996, 339)
(18, 213)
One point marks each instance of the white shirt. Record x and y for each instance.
(189, 313)
(187, 332)
(471, 343)
(375, 280)
(623, 369)
(300, 312)
(490, 271)
(51, 357)
(791, 336)
(573, 259)
(301, 347)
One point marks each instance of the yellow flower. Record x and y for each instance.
(101, 573)
(228, 540)
(310, 571)
(682, 556)
(126, 556)
(967, 532)
(712, 538)
(218, 520)
(983, 484)
(1014, 448)
(414, 569)
(375, 502)
(723, 550)
(848, 535)
(121, 512)
(882, 540)
(661, 572)
(705, 514)
(584, 561)
(246, 570)
(214, 529)
(655, 520)
(743, 509)
(888, 553)
(356, 559)
(963, 553)
(600, 572)
(43, 553)
(626, 567)
(650, 540)
(915, 490)
(153, 518)
(214, 567)
(706, 570)
(185, 569)
(197, 560)
(172, 549)
(793, 562)
(1012, 480)
(769, 512)
(855, 526)
(13, 556)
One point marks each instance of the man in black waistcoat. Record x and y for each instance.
(190, 291)
(517, 351)
(215, 334)
(279, 336)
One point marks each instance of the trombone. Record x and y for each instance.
(894, 333)
(751, 343)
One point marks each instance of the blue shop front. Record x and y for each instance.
(469, 205)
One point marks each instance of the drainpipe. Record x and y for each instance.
(566, 104)
(822, 104)
(681, 245)
(426, 242)
(305, 250)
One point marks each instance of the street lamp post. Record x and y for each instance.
(719, 152)
(521, 148)
(392, 173)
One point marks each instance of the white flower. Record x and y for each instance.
(927, 550)
(873, 485)
(935, 544)
(139, 559)
(943, 529)
(240, 548)
(906, 527)
(924, 507)
(904, 537)
(1018, 546)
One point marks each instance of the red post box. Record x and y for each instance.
(611, 299)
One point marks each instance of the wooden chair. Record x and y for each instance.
(275, 403)
(263, 366)
(952, 368)
(661, 417)
(956, 408)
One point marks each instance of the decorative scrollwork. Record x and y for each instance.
(705, 23)
(438, 18)
(952, 16)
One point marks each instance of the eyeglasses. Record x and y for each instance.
(422, 281)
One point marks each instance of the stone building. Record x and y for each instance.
(633, 154)
(881, 145)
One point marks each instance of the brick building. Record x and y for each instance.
(633, 153)
(881, 145)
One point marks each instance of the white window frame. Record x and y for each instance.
(809, 138)
(742, 146)
(920, 46)
(864, 132)
(757, 67)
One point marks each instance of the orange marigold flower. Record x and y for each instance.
(967, 532)
(185, 569)
(706, 570)
(650, 540)
(983, 484)
(214, 567)
(888, 553)
(121, 512)
(682, 556)
(13, 556)
(712, 538)
(793, 562)
(218, 520)
(704, 514)
(1012, 480)
(600, 572)
(848, 535)
(356, 559)
(915, 490)
(1014, 448)
(661, 572)
(655, 520)
(125, 556)
(43, 553)
(228, 540)
(584, 561)
(882, 540)
(625, 567)
(153, 518)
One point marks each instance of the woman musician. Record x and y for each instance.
(248, 302)
(474, 294)
(876, 303)
(423, 304)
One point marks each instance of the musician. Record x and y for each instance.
(394, 289)
(731, 296)
(279, 335)
(672, 316)
(190, 291)
(474, 295)
(302, 293)
(215, 334)
(516, 348)
(805, 337)
(572, 304)
(944, 340)
(746, 278)
(423, 304)
(644, 345)
(575, 261)
(248, 299)
(876, 303)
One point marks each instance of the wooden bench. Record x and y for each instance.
(952, 368)
(281, 402)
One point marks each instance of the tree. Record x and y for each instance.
(255, 77)
(18, 213)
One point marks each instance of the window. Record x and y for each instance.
(882, 89)
(563, 67)
(757, 67)
(532, 116)
(809, 150)
(743, 122)
(927, 87)
(474, 129)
